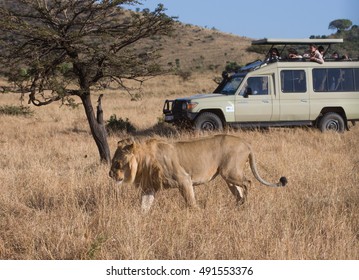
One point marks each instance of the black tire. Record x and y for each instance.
(332, 122)
(208, 121)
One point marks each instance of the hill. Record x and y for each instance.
(194, 48)
(351, 42)
(197, 49)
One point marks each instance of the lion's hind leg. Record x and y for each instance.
(239, 191)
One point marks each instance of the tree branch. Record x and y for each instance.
(100, 111)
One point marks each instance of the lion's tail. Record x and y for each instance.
(282, 181)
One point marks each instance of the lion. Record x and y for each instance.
(154, 164)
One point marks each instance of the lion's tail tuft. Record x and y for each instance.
(283, 181)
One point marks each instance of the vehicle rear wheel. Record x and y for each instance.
(332, 122)
(208, 121)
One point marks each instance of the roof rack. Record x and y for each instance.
(272, 41)
(286, 42)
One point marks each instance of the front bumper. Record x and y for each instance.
(175, 112)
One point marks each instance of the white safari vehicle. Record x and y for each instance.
(283, 92)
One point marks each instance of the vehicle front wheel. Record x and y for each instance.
(208, 121)
(332, 122)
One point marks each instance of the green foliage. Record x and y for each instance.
(232, 66)
(178, 65)
(65, 68)
(350, 46)
(340, 24)
(54, 49)
(16, 111)
(114, 125)
(318, 37)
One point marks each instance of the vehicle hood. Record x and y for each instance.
(201, 96)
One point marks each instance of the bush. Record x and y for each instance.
(185, 75)
(232, 66)
(115, 125)
(16, 110)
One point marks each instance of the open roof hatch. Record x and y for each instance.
(285, 42)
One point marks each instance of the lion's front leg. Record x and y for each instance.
(147, 199)
(186, 189)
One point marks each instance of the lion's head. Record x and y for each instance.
(137, 162)
(124, 163)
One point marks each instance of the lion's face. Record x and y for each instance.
(124, 164)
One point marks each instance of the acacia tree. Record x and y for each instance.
(340, 24)
(57, 50)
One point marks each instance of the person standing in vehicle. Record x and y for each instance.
(273, 55)
(293, 54)
(315, 55)
(321, 50)
(335, 56)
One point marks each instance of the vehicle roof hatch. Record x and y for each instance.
(272, 41)
(284, 42)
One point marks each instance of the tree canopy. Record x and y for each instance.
(55, 50)
(340, 24)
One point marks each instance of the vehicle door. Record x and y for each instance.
(254, 101)
(294, 95)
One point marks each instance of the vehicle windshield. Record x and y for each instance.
(230, 85)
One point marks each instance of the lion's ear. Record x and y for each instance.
(120, 143)
(125, 142)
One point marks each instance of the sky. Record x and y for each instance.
(258, 19)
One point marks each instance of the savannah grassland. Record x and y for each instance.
(57, 201)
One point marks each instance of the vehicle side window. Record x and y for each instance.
(293, 81)
(320, 80)
(335, 79)
(356, 74)
(256, 86)
(346, 80)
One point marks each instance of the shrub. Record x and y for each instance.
(115, 125)
(185, 75)
(232, 66)
(16, 110)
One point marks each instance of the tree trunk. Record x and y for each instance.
(97, 127)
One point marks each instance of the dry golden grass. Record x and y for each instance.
(57, 201)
